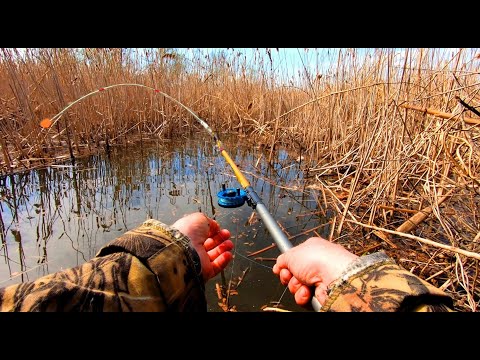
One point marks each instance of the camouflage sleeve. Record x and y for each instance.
(376, 283)
(150, 268)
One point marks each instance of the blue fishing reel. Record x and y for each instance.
(231, 198)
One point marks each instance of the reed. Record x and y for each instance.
(359, 119)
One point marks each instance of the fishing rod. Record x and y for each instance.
(227, 197)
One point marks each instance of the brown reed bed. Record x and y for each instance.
(388, 139)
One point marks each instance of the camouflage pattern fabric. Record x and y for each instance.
(154, 268)
(376, 283)
(150, 268)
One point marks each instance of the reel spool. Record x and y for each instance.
(231, 198)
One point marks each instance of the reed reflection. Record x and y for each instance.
(61, 215)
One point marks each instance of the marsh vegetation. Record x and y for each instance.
(386, 140)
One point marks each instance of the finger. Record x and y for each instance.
(321, 293)
(221, 262)
(217, 239)
(285, 276)
(276, 269)
(303, 295)
(220, 249)
(280, 264)
(294, 285)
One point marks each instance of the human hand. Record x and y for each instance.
(314, 263)
(212, 244)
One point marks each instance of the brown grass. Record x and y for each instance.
(369, 148)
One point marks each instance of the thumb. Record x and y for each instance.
(214, 227)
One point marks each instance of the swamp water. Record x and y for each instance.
(61, 215)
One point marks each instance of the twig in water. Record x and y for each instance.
(264, 259)
(219, 291)
(240, 278)
(274, 309)
(262, 250)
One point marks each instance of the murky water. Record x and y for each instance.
(60, 216)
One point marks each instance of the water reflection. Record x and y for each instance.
(61, 215)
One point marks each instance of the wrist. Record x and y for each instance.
(177, 236)
(358, 265)
(355, 269)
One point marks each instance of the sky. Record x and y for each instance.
(291, 59)
(290, 63)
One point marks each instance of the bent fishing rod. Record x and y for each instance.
(227, 198)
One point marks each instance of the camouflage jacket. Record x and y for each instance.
(376, 283)
(150, 268)
(154, 268)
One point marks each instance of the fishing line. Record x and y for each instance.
(281, 296)
(253, 261)
(252, 198)
(262, 265)
(233, 266)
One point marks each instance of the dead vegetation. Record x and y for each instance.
(388, 139)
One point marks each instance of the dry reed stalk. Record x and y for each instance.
(332, 229)
(397, 209)
(338, 201)
(219, 291)
(463, 280)
(371, 142)
(238, 100)
(385, 238)
(477, 237)
(422, 240)
(274, 137)
(446, 284)
(441, 114)
(308, 231)
(367, 250)
(419, 217)
(271, 182)
(6, 156)
(439, 273)
(310, 213)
